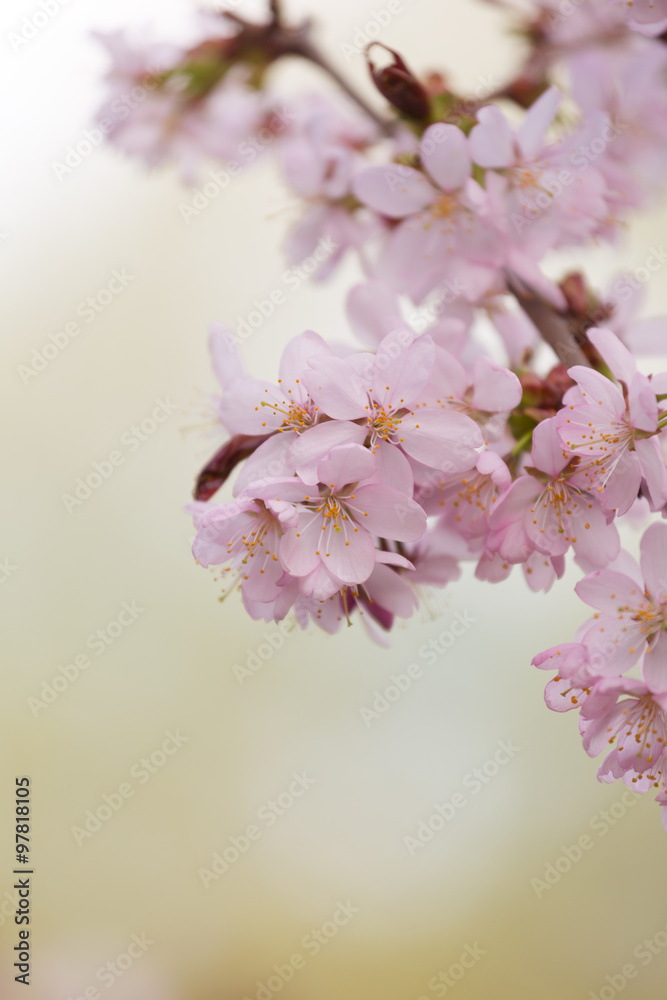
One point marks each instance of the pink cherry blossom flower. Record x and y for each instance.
(571, 686)
(386, 392)
(631, 624)
(636, 724)
(273, 416)
(649, 17)
(620, 90)
(243, 537)
(486, 395)
(612, 431)
(544, 511)
(465, 501)
(151, 111)
(535, 201)
(338, 522)
(319, 155)
(439, 235)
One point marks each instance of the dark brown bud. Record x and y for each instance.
(576, 295)
(215, 473)
(400, 86)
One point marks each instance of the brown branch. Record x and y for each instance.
(305, 48)
(552, 325)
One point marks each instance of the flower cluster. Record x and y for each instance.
(624, 714)
(451, 433)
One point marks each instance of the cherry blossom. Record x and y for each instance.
(612, 431)
(474, 407)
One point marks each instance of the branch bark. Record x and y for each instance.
(552, 325)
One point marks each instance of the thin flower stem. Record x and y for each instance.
(305, 48)
(521, 443)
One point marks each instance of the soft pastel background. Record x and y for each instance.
(173, 668)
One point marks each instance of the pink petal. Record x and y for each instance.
(490, 464)
(654, 668)
(597, 390)
(294, 360)
(659, 383)
(449, 377)
(597, 543)
(653, 470)
(241, 409)
(614, 353)
(311, 446)
(393, 559)
(642, 404)
(609, 591)
(348, 553)
(270, 461)
(596, 730)
(547, 452)
(446, 156)
(393, 468)
(497, 390)
(348, 463)
(561, 696)
(538, 119)
(515, 503)
(518, 333)
(654, 560)
(374, 311)
(336, 388)
(620, 491)
(290, 490)
(225, 359)
(400, 373)
(390, 591)
(540, 572)
(492, 141)
(393, 190)
(388, 513)
(406, 261)
(299, 546)
(441, 439)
